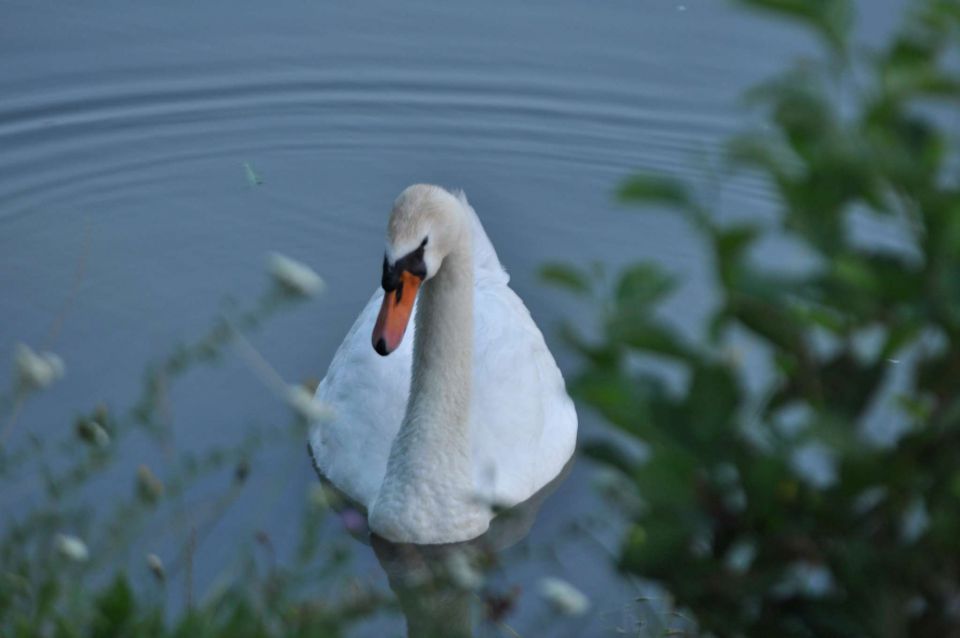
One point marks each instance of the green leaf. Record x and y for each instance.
(712, 402)
(651, 189)
(642, 285)
(568, 277)
(602, 355)
(831, 19)
(647, 335)
(766, 152)
(619, 398)
(768, 320)
(730, 247)
(609, 453)
(116, 610)
(652, 547)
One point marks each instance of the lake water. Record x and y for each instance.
(125, 129)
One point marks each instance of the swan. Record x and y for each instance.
(433, 437)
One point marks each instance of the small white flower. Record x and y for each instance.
(306, 406)
(564, 597)
(72, 548)
(94, 433)
(462, 572)
(37, 370)
(149, 487)
(100, 436)
(156, 567)
(294, 277)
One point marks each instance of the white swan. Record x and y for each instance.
(474, 413)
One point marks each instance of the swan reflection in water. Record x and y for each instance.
(437, 585)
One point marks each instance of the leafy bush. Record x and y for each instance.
(772, 511)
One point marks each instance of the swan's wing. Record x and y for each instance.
(368, 395)
(523, 427)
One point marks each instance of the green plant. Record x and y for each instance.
(76, 565)
(69, 562)
(770, 511)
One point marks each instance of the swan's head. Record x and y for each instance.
(425, 225)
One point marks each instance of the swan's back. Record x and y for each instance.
(486, 264)
(523, 423)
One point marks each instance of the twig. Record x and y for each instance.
(14, 414)
(191, 548)
(270, 377)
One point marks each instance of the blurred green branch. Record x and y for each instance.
(773, 511)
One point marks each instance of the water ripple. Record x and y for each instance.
(81, 132)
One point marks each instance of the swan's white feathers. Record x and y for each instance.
(368, 394)
(485, 262)
(522, 425)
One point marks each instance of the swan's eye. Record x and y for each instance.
(412, 263)
(418, 253)
(391, 276)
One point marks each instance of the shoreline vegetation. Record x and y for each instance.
(825, 501)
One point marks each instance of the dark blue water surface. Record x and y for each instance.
(125, 127)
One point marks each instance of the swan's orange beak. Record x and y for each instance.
(395, 314)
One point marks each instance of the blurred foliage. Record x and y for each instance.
(769, 508)
(100, 538)
(71, 562)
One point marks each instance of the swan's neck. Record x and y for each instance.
(427, 492)
(439, 404)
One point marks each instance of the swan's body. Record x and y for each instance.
(471, 412)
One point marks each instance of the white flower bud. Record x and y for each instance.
(462, 572)
(294, 277)
(156, 567)
(72, 547)
(306, 406)
(35, 371)
(564, 597)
